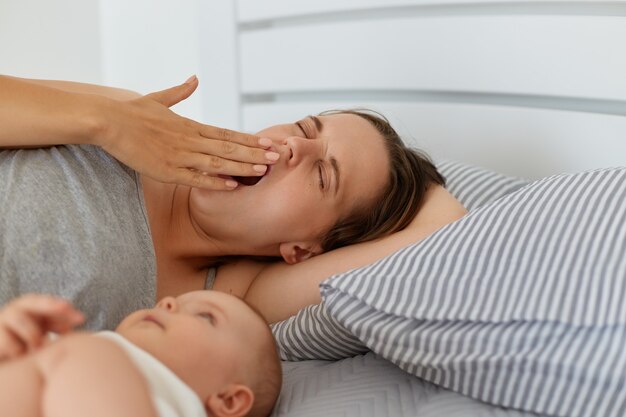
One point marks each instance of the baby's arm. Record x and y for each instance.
(85, 375)
(25, 322)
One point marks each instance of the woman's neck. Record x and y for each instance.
(174, 234)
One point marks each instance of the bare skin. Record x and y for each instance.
(139, 131)
(81, 374)
(46, 383)
(43, 378)
(280, 290)
(191, 228)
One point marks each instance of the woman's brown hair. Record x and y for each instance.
(411, 174)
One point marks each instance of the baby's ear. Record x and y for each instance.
(233, 401)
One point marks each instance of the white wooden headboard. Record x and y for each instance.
(528, 88)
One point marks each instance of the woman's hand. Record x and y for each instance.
(25, 322)
(150, 138)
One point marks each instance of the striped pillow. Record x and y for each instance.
(475, 186)
(314, 334)
(519, 304)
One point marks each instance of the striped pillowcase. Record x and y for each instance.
(314, 334)
(519, 304)
(475, 186)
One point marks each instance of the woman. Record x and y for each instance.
(337, 179)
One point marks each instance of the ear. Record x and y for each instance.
(234, 401)
(294, 252)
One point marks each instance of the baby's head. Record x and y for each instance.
(216, 344)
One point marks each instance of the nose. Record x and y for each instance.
(298, 149)
(169, 304)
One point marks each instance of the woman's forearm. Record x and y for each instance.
(33, 115)
(83, 88)
(140, 132)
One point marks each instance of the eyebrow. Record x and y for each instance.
(318, 123)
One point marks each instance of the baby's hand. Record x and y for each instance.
(25, 321)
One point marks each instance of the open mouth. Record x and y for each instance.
(250, 181)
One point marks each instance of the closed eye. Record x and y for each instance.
(208, 316)
(299, 124)
(321, 176)
(322, 184)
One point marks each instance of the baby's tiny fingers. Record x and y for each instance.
(63, 323)
(10, 346)
(40, 303)
(24, 328)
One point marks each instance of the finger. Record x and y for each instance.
(234, 151)
(39, 303)
(174, 95)
(214, 166)
(10, 346)
(63, 323)
(227, 135)
(51, 313)
(23, 328)
(197, 179)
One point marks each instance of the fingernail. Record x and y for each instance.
(191, 79)
(260, 168)
(272, 156)
(231, 184)
(265, 142)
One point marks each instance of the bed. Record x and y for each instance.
(500, 93)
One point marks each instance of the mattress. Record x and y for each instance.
(370, 386)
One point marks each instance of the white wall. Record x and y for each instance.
(51, 39)
(149, 45)
(142, 45)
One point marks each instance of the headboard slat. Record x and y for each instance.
(250, 11)
(569, 56)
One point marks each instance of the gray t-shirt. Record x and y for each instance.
(74, 224)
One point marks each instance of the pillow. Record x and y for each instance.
(519, 304)
(314, 334)
(474, 186)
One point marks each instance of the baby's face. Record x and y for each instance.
(200, 335)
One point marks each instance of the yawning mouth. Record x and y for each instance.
(247, 180)
(250, 181)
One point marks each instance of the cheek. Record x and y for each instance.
(300, 218)
(130, 319)
(293, 201)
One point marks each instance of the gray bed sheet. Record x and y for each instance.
(370, 386)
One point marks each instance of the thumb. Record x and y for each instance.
(174, 95)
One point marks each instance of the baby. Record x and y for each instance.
(202, 353)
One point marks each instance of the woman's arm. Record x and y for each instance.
(142, 133)
(280, 290)
(83, 88)
(36, 115)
